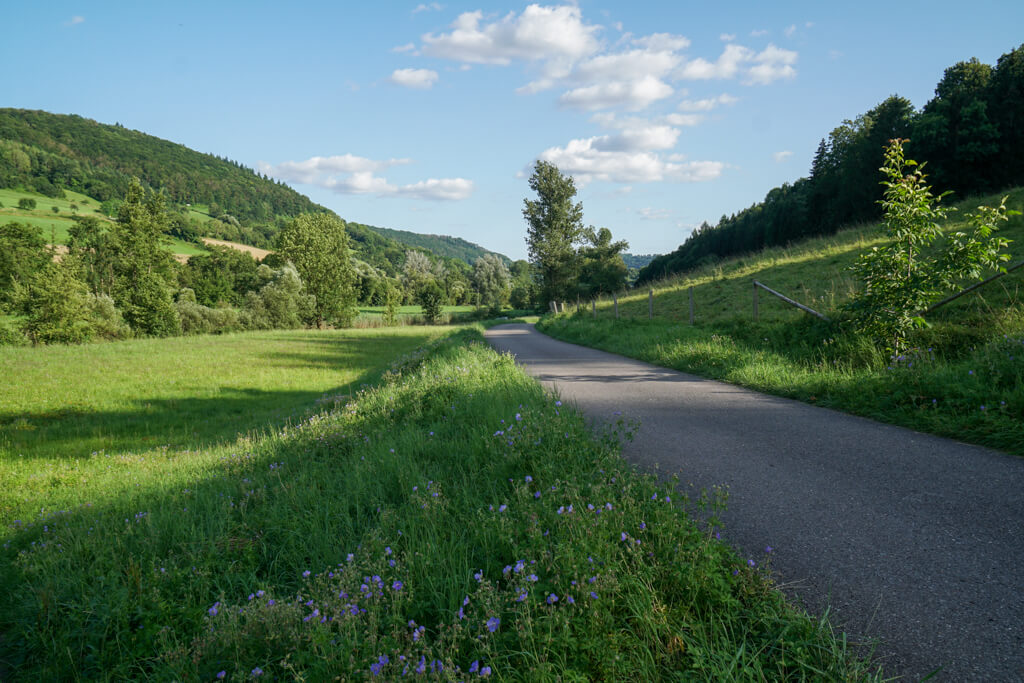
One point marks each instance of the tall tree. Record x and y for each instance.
(492, 279)
(1006, 109)
(602, 269)
(554, 228)
(22, 252)
(318, 246)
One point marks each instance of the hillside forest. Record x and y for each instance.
(971, 133)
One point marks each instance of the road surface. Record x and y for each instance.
(909, 538)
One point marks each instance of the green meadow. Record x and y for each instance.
(355, 505)
(963, 376)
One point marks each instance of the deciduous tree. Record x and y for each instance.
(554, 228)
(318, 246)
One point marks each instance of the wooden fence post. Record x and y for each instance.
(755, 302)
(615, 298)
(691, 305)
(650, 305)
(593, 306)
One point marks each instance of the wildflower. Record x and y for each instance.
(552, 599)
(569, 600)
(519, 417)
(486, 671)
(270, 602)
(528, 478)
(520, 566)
(257, 671)
(479, 576)
(521, 597)
(768, 548)
(460, 614)
(222, 674)
(465, 601)
(608, 506)
(667, 499)
(561, 509)
(623, 537)
(475, 666)
(251, 596)
(213, 610)
(558, 404)
(593, 595)
(751, 563)
(397, 586)
(502, 508)
(387, 550)
(493, 623)
(532, 578)
(537, 494)
(642, 526)
(422, 666)
(350, 557)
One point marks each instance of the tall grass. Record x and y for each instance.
(962, 378)
(453, 523)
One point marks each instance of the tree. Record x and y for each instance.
(143, 269)
(902, 278)
(26, 203)
(23, 252)
(280, 303)
(318, 246)
(602, 270)
(554, 228)
(491, 278)
(430, 298)
(56, 305)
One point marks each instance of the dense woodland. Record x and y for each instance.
(971, 134)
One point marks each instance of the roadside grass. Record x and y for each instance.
(962, 378)
(454, 522)
(59, 404)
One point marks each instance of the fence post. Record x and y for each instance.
(691, 305)
(615, 298)
(553, 306)
(650, 305)
(755, 302)
(593, 307)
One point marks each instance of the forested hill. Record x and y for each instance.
(971, 134)
(442, 245)
(49, 152)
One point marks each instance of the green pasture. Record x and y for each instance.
(452, 519)
(63, 403)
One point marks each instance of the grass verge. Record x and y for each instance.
(454, 522)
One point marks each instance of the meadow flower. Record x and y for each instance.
(528, 478)
(537, 494)
(213, 610)
(350, 557)
(751, 563)
(486, 671)
(475, 666)
(222, 674)
(387, 550)
(479, 576)
(257, 671)
(768, 548)
(570, 600)
(593, 595)
(532, 578)
(305, 574)
(623, 537)
(396, 586)
(493, 623)
(502, 508)
(421, 668)
(465, 601)
(552, 599)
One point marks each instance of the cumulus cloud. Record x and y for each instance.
(633, 95)
(586, 161)
(408, 47)
(707, 104)
(760, 68)
(782, 156)
(350, 174)
(419, 79)
(727, 37)
(436, 7)
(757, 33)
(538, 33)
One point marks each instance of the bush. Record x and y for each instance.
(199, 319)
(10, 335)
(430, 297)
(107, 321)
(280, 303)
(27, 203)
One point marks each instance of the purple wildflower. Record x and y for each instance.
(493, 623)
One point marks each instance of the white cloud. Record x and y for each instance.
(633, 95)
(790, 30)
(427, 8)
(439, 189)
(782, 156)
(727, 37)
(707, 104)
(726, 66)
(761, 68)
(771, 64)
(408, 47)
(682, 119)
(757, 33)
(74, 21)
(419, 79)
(649, 214)
(538, 34)
(350, 174)
(586, 162)
(623, 66)
(663, 42)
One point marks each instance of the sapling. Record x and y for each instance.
(902, 278)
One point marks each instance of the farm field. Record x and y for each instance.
(55, 225)
(962, 378)
(449, 519)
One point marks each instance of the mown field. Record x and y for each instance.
(963, 376)
(448, 520)
(55, 225)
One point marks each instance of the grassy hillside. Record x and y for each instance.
(442, 245)
(453, 522)
(964, 376)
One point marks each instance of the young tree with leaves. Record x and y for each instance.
(491, 279)
(554, 228)
(318, 246)
(902, 278)
(602, 270)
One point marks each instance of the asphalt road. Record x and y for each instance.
(907, 538)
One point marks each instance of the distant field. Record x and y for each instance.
(65, 402)
(255, 252)
(55, 225)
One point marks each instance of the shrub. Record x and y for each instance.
(107, 321)
(26, 203)
(430, 297)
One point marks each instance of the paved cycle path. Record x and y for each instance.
(912, 539)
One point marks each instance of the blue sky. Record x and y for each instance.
(428, 116)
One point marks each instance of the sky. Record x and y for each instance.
(429, 117)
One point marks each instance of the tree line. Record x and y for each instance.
(117, 279)
(971, 132)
